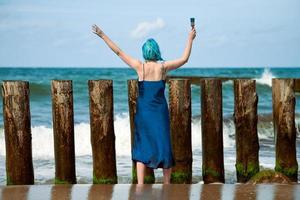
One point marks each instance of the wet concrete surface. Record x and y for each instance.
(151, 191)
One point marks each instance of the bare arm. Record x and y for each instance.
(174, 64)
(132, 62)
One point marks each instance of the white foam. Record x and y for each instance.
(197, 137)
(228, 82)
(43, 145)
(266, 77)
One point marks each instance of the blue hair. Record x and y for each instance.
(151, 50)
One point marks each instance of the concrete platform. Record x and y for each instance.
(151, 191)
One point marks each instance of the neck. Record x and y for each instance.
(150, 61)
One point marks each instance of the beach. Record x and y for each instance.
(42, 132)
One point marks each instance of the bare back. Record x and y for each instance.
(151, 71)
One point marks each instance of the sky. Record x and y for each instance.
(231, 33)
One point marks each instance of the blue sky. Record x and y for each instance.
(230, 33)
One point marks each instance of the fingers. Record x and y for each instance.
(193, 32)
(95, 29)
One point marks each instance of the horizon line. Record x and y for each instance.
(127, 67)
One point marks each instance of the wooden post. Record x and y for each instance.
(132, 98)
(212, 131)
(102, 131)
(283, 96)
(245, 119)
(17, 130)
(63, 130)
(180, 126)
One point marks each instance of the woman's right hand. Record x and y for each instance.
(192, 33)
(97, 30)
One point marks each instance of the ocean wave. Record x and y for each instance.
(43, 145)
(266, 77)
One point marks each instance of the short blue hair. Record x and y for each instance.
(151, 50)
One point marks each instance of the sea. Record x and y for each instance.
(41, 117)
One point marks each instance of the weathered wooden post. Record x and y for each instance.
(245, 119)
(283, 97)
(102, 131)
(132, 98)
(180, 126)
(63, 130)
(212, 130)
(17, 130)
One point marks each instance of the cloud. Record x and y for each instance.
(144, 28)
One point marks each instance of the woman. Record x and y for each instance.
(152, 145)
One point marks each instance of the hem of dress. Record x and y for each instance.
(152, 166)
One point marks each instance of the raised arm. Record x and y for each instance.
(174, 64)
(132, 62)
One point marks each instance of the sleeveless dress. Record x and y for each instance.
(152, 140)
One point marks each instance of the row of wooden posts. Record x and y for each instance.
(17, 128)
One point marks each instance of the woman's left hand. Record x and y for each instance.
(97, 30)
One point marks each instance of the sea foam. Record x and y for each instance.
(43, 144)
(266, 77)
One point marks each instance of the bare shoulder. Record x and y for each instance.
(138, 65)
(163, 65)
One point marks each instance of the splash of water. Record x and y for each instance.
(43, 144)
(266, 77)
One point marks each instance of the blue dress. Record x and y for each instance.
(152, 140)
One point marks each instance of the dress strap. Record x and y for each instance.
(162, 70)
(143, 70)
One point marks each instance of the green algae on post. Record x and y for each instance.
(17, 132)
(212, 130)
(211, 172)
(104, 180)
(180, 130)
(181, 177)
(59, 181)
(284, 100)
(102, 131)
(8, 180)
(63, 130)
(246, 173)
(149, 179)
(246, 137)
(288, 171)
